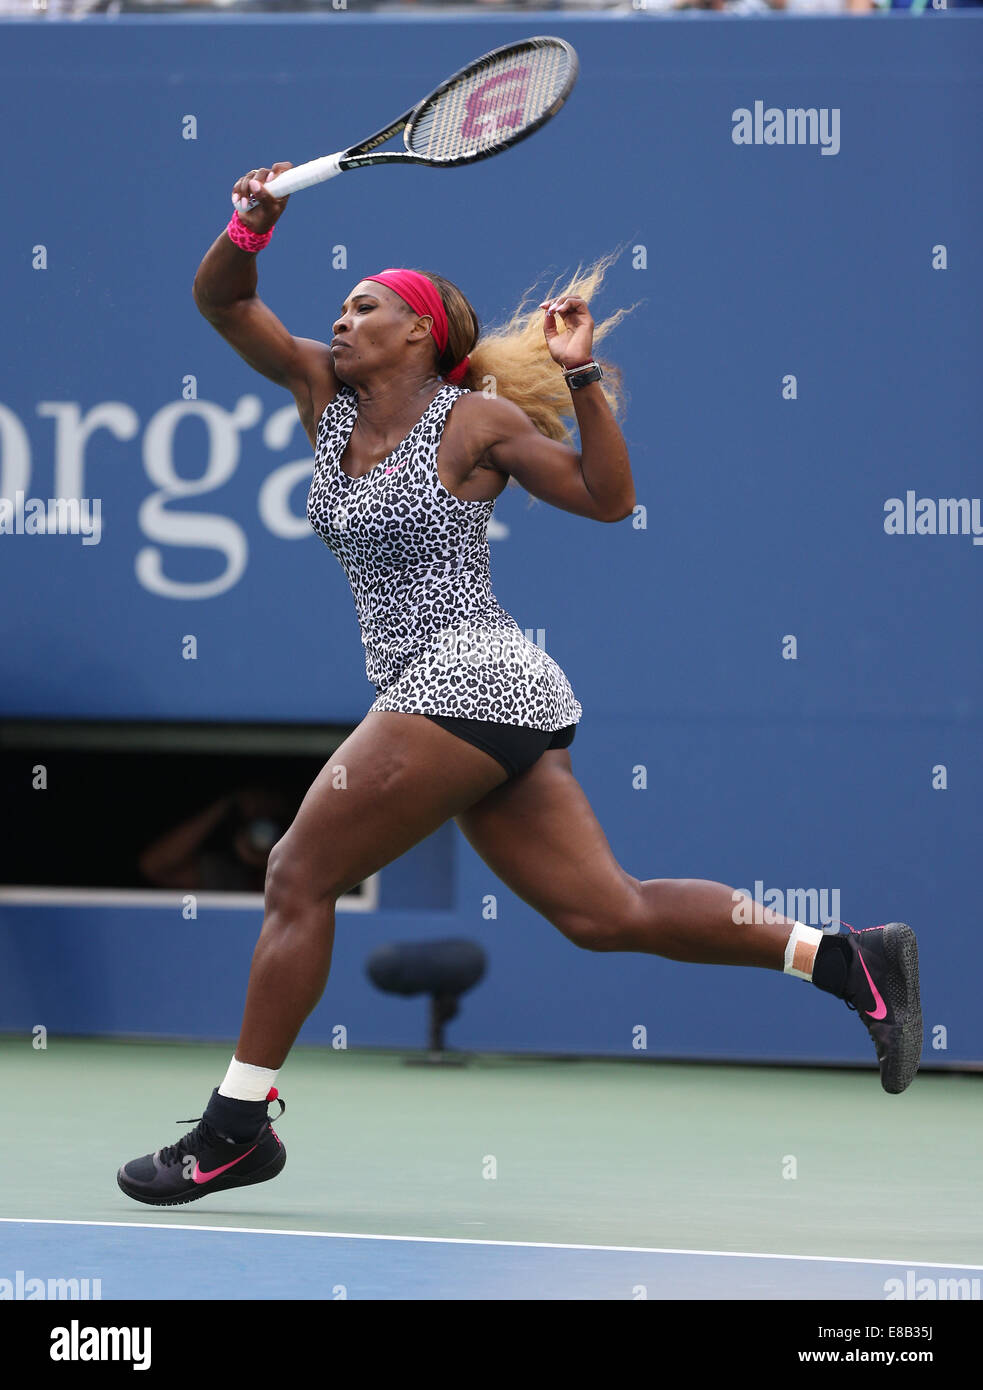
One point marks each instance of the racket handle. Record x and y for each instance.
(303, 176)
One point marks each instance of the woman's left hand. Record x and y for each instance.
(573, 347)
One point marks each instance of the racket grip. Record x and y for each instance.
(303, 176)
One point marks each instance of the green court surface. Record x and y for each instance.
(625, 1153)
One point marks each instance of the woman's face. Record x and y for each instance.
(374, 329)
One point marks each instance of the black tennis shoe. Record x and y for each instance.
(875, 972)
(205, 1161)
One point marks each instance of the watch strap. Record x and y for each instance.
(587, 372)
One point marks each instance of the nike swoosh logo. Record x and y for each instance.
(201, 1177)
(881, 1009)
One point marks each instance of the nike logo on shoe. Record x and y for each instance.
(199, 1176)
(880, 1011)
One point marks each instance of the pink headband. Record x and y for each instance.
(421, 294)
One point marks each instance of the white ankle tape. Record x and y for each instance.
(246, 1082)
(808, 936)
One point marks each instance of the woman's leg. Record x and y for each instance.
(389, 785)
(392, 782)
(541, 837)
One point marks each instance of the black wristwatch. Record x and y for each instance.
(576, 377)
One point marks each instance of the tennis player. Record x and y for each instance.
(471, 720)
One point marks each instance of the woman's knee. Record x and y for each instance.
(292, 885)
(607, 927)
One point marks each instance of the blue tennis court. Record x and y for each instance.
(154, 1261)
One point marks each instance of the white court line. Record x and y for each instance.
(471, 1240)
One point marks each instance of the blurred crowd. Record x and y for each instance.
(68, 8)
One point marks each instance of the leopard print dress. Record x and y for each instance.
(436, 639)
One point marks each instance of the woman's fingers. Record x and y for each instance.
(240, 189)
(573, 311)
(251, 188)
(564, 304)
(257, 190)
(573, 345)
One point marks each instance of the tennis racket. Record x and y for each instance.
(487, 107)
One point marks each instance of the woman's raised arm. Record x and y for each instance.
(225, 293)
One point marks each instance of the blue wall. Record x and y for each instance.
(765, 516)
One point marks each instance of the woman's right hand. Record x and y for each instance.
(268, 208)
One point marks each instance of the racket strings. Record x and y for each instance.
(491, 104)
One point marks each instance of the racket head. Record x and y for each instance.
(493, 103)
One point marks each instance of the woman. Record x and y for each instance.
(470, 720)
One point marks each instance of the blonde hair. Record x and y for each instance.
(515, 358)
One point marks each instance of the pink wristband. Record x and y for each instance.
(244, 238)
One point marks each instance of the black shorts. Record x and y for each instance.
(515, 748)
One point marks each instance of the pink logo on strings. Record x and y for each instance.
(481, 118)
